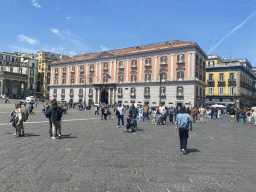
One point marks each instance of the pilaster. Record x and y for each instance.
(140, 69)
(127, 69)
(155, 68)
(172, 66)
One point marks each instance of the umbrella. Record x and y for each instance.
(218, 106)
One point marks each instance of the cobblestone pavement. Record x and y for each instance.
(95, 155)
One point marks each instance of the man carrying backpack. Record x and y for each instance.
(183, 122)
(56, 114)
(48, 115)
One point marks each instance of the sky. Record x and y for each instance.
(74, 27)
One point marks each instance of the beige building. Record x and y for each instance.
(18, 74)
(44, 73)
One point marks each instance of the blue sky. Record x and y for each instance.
(223, 27)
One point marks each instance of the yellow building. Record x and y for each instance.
(230, 82)
(44, 73)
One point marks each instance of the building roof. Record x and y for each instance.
(136, 49)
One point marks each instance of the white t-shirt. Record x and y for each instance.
(162, 109)
(120, 109)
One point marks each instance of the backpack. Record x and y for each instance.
(48, 113)
(103, 109)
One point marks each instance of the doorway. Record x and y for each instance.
(179, 104)
(104, 97)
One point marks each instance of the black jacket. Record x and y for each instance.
(56, 112)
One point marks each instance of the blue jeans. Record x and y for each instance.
(145, 115)
(118, 120)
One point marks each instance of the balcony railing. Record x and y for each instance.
(119, 94)
(210, 81)
(63, 72)
(132, 94)
(231, 80)
(163, 94)
(90, 94)
(147, 64)
(54, 94)
(134, 66)
(146, 94)
(81, 70)
(62, 94)
(91, 69)
(181, 62)
(80, 94)
(105, 68)
(163, 63)
(71, 94)
(179, 94)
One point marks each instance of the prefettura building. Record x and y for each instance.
(172, 73)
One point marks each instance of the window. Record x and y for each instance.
(72, 80)
(133, 78)
(7, 58)
(48, 75)
(45, 54)
(148, 61)
(56, 81)
(71, 93)
(221, 90)
(147, 91)
(221, 77)
(73, 69)
(105, 79)
(39, 67)
(31, 80)
(231, 90)
(63, 81)
(133, 91)
(31, 72)
(201, 61)
(90, 79)
(20, 70)
(179, 90)
(210, 76)
(121, 64)
(80, 91)
(91, 67)
(120, 78)
(81, 68)
(81, 80)
(211, 63)
(33, 65)
(1, 57)
(197, 58)
(48, 81)
(163, 76)
(105, 66)
(180, 75)
(147, 77)
(90, 91)
(120, 91)
(162, 91)
(56, 70)
(134, 63)
(180, 58)
(62, 91)
(11, 69)
(64, 70)
(55, 91)
(163, 59)
(13, 59)
(231, 76)
(7, 63)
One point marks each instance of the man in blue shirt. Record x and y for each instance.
(183, 121)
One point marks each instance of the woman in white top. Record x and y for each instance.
(17, 117)
(219, 113)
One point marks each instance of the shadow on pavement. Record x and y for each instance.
(67, 137)
(192, 150)
(30, 135)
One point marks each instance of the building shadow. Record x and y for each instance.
(192, 151)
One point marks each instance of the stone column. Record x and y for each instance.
(113, 95)
(95, 96)
(172, 66)
(76, 75)
(193, 66)
(127, 69)
(68, 83)
(155, 68)
(11, 88)
(98, 95)
(100, 73)
(86, 73)
(59, 76)
(140, 69)
(109, 100)
(188, 69)
(114, 70)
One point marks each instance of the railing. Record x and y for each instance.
(62, 94)
(132, 94)
(90, 94)
(232, 80)
(163, 63)
(119, 94)
(179, 94)
(210, 81)
(63, 72)
(163, 94)
(71, 94)
(105, 68)
(134, 66)
(146, 94)
(147, 64)
(91, 69)
(80, 94)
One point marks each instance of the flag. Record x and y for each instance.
(109, 76)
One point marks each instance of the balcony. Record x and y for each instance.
(105, 68)
(120, 81)
(179, 94)
(81, 70)
(181, 62)
(210, 81)
(146, 94)
(121, 67)
(80, 94)
(163, 63)
(221, 82)
(54, 94)
(147, 80)
(163, 94)
(90, 94)
(63, 72)
(231, 80)
(147, 64)
(71, 95)
(133, 81)
(133, 66)
(72, 71)
(133, 94)
(56, 73)
(91, 69)
(119, 94)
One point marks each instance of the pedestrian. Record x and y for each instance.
(120, 110)
(96, 110)
(219, 113)
(102, 112)
(24, 115)
(140, 110)
(56, 114)
(238, 114)
(183, 122)
(48, 115)
(145, 112)
(193, 114)
(16, 117)
(243, 116)
(43, 109)
(171, 111)
(201, 112)
(36, 103)
(232, 115)
(254, 117)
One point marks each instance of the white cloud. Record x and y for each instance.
(67, 32)
(68, 17)
(27, 39)
(56, 31)
(103, 48)
(23, 49)
(35, 3)
(236, 28)
(71, 53)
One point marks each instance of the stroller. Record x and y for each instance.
(130, 126)
(160, 120)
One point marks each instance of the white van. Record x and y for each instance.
(30, 99)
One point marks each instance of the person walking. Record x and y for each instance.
(171, 111)
(145, 112)
(56, 114)
(183, 122)
(201, 112)
(43, 109)
(254, 117)
(219, 113)
(193, 114)
(232, 115)
(140, 110)
(48, 115)
(238, 114)
(16, 117)
(96, 110)
(24, 115)
(102, 112)
(120, 110)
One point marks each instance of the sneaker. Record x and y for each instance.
(15, 134)
(117, 126)
(125, 130)
(122, 126)
(53, 137)
(183, 151)
(60, 137)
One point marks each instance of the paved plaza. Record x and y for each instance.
(95, 155)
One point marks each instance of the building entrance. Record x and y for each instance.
(104, 97)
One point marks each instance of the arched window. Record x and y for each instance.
(56, 71)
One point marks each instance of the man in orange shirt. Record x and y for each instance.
(193, 114)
